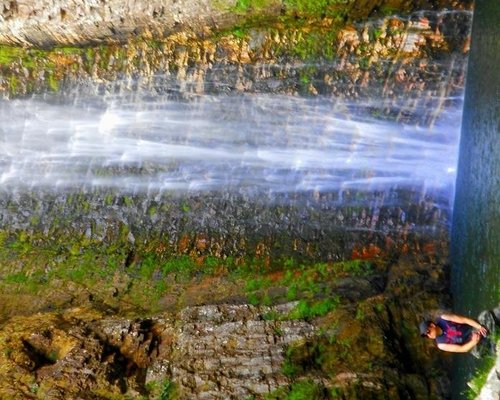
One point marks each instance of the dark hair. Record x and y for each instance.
(424, 327)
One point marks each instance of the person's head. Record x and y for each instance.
(428, 329)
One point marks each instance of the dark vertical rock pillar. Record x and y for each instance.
(476, 219)
(475, 247)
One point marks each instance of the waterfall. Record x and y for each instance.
(248, 143)
(356, 149)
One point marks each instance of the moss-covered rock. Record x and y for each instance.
(366, 348)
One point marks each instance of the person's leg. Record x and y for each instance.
(487, 345)
(487, 319)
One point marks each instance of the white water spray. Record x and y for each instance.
(252, 143)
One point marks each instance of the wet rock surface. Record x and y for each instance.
(306, 227)
(415, 64)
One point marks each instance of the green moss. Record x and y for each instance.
(312, 43)
(148, 266)
(69, 50)
(307, 6)
(9, 54)
(250, 6)
(128, 201)
(13, 84)
(388, 10)
(152, 211)
(253, 299)
(3, 237)
(183, 265)
(481, 374)
(305, 390)
(53, 356)
(317, 8)
(355, 267)
(109, 200)
(16, 278)
(376, 33)
(257, 284)
(239, 32)
(140, 275)
(53, 83)
(164, 390)
(307, 309)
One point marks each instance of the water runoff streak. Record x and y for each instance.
(253, 144)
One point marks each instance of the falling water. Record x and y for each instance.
(248, 153)
(251, 143)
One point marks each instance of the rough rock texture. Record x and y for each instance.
(47, 23)
(234, 348)
(415, 64)
(210, 352)
(237, 226)
(420, 58)
(63, 22)
(368, 347)
(491, 389)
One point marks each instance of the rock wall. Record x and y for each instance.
(64, 22)
(415, 66)
(367, 347)
(49, 23)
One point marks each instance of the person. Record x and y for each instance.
(454, 333)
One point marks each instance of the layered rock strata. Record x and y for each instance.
(367, 347)
(69, 22)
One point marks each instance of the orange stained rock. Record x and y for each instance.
(260, 249)
(275, 276)
(371, 251)
(183, 244)
(367, 252)
(201, 242)
(200, 260)
(160, 248)
(62, 60)
(355, 253)
(429, 248)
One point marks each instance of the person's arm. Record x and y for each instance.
(464, 320)
(460, 348)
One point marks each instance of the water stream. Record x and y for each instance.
(252, 143)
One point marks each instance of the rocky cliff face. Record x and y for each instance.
(69, 22)
(367, 347)
(105, 296)
(414, 66)
(420, 57)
